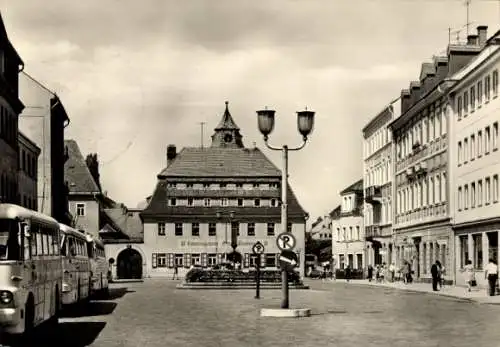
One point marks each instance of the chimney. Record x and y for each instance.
(171, 154)
(414, 92)
(472, 40)
(482, 31)
(405, 100)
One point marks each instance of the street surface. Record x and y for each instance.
(155, 313)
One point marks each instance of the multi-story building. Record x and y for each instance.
(421, 222)
(10, 108)
(43, 121)
(348, 244)
(83, 198)
(475, 160)
(28, 172)
(321, 229)
(206, 194)
(377, 167)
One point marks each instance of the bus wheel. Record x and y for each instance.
(29, 319)
(54, 320)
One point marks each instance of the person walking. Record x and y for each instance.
(470, 277)
(491, 274)
(435, 275)
(348, 273)
(370, 273)
(392, 271)
(176, 272)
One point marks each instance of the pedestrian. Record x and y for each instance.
(442, 273)
(491, 274)
(409, 277)
(382, 273)
(348, 273)
(176, 272)
(370, 273)
(435, 275)
(404, 272)
(392, 271)
(470, 277)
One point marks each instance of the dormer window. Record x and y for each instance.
(206, 185)
(189, 185)
(239, 185)
(223, 185)
(256, 185)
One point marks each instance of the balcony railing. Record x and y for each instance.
(372, 194)
(372, 231)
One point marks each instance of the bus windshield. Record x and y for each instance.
(9, 242)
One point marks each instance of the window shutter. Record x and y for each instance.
(153, 263)
(170, 260)
(263, 260)
(219, 258)
(204, 259)
(246, 262)
(187, 260)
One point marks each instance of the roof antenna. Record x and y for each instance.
(467, 4)
(202, 124)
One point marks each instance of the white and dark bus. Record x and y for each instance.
(30, 269)
(99, 266)
(76, 281)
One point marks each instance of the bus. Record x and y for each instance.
(99, 266)
(30, 270)
(76, 282)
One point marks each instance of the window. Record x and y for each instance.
(472, 146)
(212, 259)
(487, 139)
(495, 83)
(466, 102)
(460, 199)
(206, 185)
(80, 209)
(459, 108)
(472, 98)
(189, 185)
(256, 202)
(487, 190)
(190, 202)
(358, 235)
(240, 202)
(289, 227)
(196, 259)
(479, 93)
(195, 229)
(161, 260)
(161, 229)
(495, 136)
(235, 228)
(487, 88)
(270, 260)
(270, 229)
(206, 202)
(178, 229)
(466, 150)
(256, 185)
(472, 195)
(479, 195)
(173, 202)
(171, 185)
(466, 197)
(478, 251)
(223, 201)
(495, 188)
(460, 153)
(212, 229)
(251, 229)
(273, 202)
(223, 185)
(479, 143)
(179, 260)
(239, 185)
(464, 250)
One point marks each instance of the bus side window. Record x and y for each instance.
(50, 242)
(72, 247)
(55, 240)
(27, 242)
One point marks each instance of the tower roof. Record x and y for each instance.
(227, 122)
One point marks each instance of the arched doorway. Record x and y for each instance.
(235, 257)
(129, 264)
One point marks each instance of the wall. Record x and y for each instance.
(187, 244)
(8, 158)
(113, 250)
(89, 222)
(344, 243)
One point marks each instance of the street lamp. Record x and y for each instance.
(305, 122)
(234, 235)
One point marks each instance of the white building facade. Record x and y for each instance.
(475, 162)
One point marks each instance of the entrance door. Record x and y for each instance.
(129, 264)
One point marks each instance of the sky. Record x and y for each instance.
(135, 76)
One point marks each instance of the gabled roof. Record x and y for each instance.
(76, 172)
(5, 39)
(335, 213)
(353, 188)
(220, 162)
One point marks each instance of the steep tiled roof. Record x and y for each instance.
(126, 221)
(227, 122)
(220, 162)
(76, 172)
(335, 214)
(158, 207)
(353, 188)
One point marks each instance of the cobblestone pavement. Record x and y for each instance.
(155, 313)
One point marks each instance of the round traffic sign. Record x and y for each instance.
(285, 241)
(258, 248)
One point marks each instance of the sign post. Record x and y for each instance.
(286, 243)
(257, 249)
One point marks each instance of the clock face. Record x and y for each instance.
(228, 138)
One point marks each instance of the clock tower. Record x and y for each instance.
(227, 134)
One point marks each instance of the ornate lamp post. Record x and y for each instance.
(234, 235)
(305, 123)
